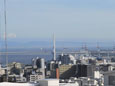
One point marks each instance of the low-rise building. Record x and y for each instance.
(36, 77)
(49, 82)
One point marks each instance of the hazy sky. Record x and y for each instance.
(68, 19)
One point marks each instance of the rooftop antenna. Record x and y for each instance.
(85, 46)
(108, 54)
(82, 46)
(6, 53)
(54, 48)
(113, 46)
(98, 47)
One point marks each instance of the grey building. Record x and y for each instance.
(85, 70)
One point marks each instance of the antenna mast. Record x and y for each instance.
(5, 18)
(0, 37)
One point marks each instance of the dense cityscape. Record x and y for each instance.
(81, 68)
(28, 57)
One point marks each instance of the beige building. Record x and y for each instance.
(66, 71)
(2, 71)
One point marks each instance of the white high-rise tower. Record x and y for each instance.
(54, 48)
